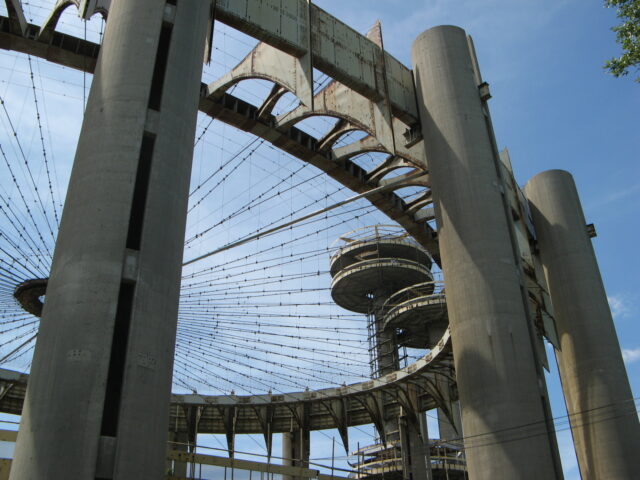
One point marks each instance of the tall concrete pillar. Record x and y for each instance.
(98, 397)
(450, 431)
(426, 444)
(449, 426)
(179, 440)
(296, 450)
(387, 357)
(506, 429)
(601, 408)
(387, 361)
(415, 452)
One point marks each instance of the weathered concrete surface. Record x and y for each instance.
(98, 396)
(505, 427)
(296, 447)
(601, 408)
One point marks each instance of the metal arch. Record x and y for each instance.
(338, 100)
(391, 163)
(413, 152)
(88, 8)
(51, 22)
(245, 116)
(296, 75)
(342, 127)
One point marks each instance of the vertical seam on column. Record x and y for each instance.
(126, 294)
(140, 190)
(160, 67)
(111, 407)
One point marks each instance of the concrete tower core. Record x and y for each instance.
(98, 396)
(366, 272)
(601, 408)
(504, 418)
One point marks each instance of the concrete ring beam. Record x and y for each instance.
(252, 411)
(250, 407)
(413, 291)
(421, 320)
(353, 287)
(378, 248)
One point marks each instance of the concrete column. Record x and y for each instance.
(386, 347)
(426, 445)
(180, 442)
(599, 401)
(387, 361)
(449, 430)
(296, 450)
(98, 397)
(503, 416)
(415, 453)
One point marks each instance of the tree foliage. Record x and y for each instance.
(627, 35)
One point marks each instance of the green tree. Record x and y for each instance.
(627, 35)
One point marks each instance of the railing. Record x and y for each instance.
(224, 468)
(195, 466)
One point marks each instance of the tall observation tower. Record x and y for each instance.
(384, 273)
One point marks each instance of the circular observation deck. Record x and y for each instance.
(419, 314)
(356, 287)
(377, 248)
(29, 295)
(373, 263)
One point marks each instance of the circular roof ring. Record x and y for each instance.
(378, 248)
(355, 287)
(421, 321)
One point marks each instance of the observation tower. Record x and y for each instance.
(368, 267)
(382, 272)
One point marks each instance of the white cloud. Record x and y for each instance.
(631, 355)
(619, 194)
(619, 306)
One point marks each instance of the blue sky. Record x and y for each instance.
(553, 106)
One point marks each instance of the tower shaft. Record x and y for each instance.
(601, 408)
(98, 397)
(504, 418)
